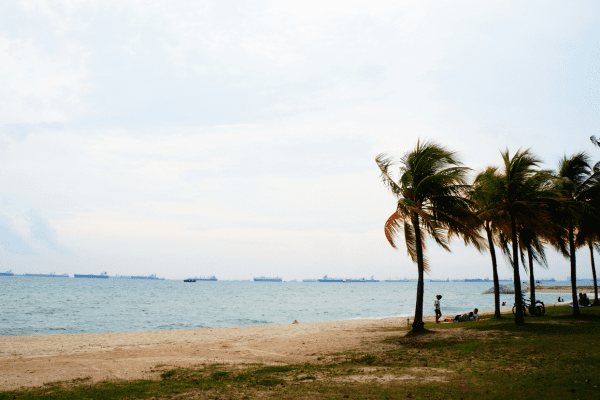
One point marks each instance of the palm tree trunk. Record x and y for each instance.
(573, 271)
(488, 230)
(418, 324)
(531, 280)
(519, 319)
(596, 300)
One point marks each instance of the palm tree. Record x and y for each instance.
(588, 232)
(430, 203)
(588, 235)
(578, 187)
(483, 196)
(530, 242)
(519, 203)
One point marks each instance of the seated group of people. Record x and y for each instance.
(583, 300)
(472, 316)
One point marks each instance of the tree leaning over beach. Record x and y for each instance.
(431, 204)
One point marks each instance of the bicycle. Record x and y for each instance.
(540, 308)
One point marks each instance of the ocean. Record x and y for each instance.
(42, 306)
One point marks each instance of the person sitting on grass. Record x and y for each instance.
(461, 318)
(475, 314)
(584, 300)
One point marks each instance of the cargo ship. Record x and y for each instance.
(267, 279)
(207, 278)
(50, 275)
(151, 277)
(202, 279)
(361, 280)
(103, 275)
(398, 280)
(327, 279)
(7, 273)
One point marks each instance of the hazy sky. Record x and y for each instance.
(238, 139)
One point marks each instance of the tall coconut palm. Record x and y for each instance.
(535, 230)
(588, 232)
(431, 203)
(588, 235)
(519, 201)
(484, 197)
(530, 242)
(578, 187)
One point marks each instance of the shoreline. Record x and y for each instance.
(400, 318)
(29, 361)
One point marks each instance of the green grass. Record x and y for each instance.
(555, 356)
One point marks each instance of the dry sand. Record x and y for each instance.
(563, 289)
(35, 360)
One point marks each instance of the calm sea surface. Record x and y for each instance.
(40, 306)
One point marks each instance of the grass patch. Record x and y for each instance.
(168, 374)
(274, 370)
(555, 356)
(367, 359)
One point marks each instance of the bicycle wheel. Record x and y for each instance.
(540, 309)
(514, 310)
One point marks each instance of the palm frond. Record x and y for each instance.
(393, 228)
(411, 241)
(384, 162)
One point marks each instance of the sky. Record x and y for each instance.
(238, 139)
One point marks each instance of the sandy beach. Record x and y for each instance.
(35, 360)
(563, 289)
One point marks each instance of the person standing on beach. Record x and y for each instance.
(438, 310)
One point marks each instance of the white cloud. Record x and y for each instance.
(245, 132)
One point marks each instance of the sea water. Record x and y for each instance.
(40, 306)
